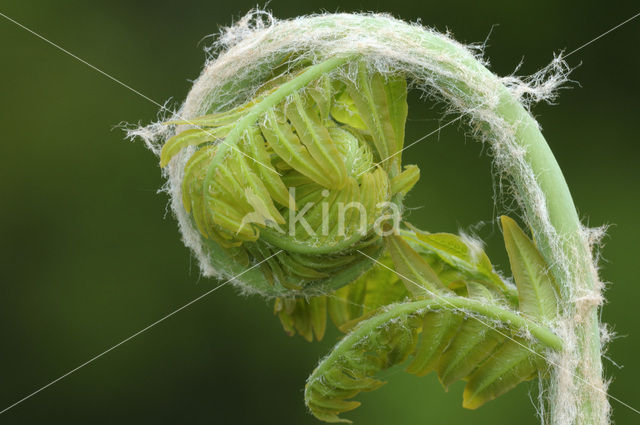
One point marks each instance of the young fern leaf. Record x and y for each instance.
(536, 286)
(305, 317)
(441, 326)
(508, 366)
(346, 307)
(420, 279)
(476, 335)
(457, 260)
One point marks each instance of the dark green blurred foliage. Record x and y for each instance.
(88, 254)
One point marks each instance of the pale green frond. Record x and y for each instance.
(418, 276)
(508, 366)
(404, 182)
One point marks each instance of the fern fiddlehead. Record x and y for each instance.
(319, 104)
(289, 162)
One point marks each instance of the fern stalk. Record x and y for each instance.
(580, 318)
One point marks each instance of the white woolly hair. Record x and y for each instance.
(243, 55)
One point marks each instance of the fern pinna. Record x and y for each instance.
(285, 171)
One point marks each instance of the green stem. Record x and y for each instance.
(491, 312)
(554, 219)
(564, 218)
(304, 247)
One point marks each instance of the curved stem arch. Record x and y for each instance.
(437, 64)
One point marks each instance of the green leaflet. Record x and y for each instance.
(452, 250)
(346, 306)
(255, 148)
(438, 328)
(536, 287)
(318, 315)
(316, 139)
(382, 105)
(404, 182)
(374, 189)
(472, 344)
(421, 280)
(306, 317)
(286, 144)
(294, 268)
(354, 149)
(344, 111)
(193, 137)
(322, 94)
(474, 334)
(507, 367)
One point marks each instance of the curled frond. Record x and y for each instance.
(287, 170)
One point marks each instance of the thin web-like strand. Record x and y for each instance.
(145, 134)
(113, 347)
(602, 35)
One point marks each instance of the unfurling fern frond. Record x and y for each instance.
(310, 144)
(317, 106)
(433, 300)
(478, 333)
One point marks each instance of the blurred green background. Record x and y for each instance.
(89, 254)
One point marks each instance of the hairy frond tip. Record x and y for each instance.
(254, 20)
(543, 85)
(245, 56)
(474, 243)
(153, 135)
(321, 139)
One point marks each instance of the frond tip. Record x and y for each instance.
(477, 332)
(435, 335)
(277, 170)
